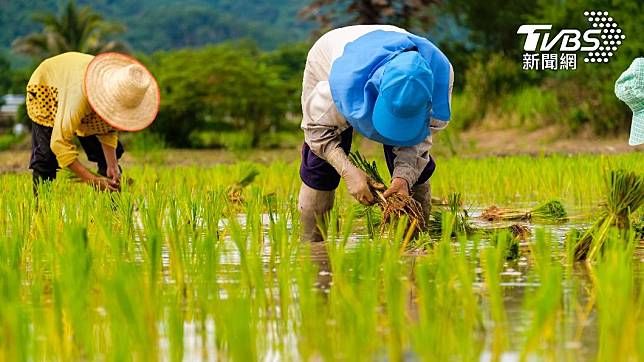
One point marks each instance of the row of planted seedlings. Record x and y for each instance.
(150, 273)
(617, 228)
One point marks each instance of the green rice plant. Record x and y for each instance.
(625, 195)
(493, 258)
(174, 322)
(512, 250)
(353, 299)
(16, 339)
(460, 224)
(618, 308)
(460, 219)
(284, 250)
(544, 305)
(165, 269)
(235, 322)
(487, 181)
(394, 289)
(72, 288)
(152, 217)
(312, 281)
(372, 216)
(450, 320)
(133, 312)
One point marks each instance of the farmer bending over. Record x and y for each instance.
(392, 87)
(91, 97)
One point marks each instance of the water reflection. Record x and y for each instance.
(577, 330)
(319, 255)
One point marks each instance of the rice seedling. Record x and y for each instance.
(459, 218)
(625, 195)
(449, 317)
(492, 258)
(544, 305)
(552, 210)
(248, 175)
(619, 309)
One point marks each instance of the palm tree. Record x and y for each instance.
(76, 29)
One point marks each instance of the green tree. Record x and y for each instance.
(229, 85)
(5, 76)
(589, 91)
(74, 29)
(289, 61)
(492, 25)
(405, 13)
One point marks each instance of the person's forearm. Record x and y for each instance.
(407, 165)
(80, 170)
(100, 183)
(110, 154)
(410, 161)
(437, 126)
(322, 140)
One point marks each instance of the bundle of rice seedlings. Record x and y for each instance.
(394, 206)
(370, 168)
(462, 225)
(638, 227)
(248, 175)
(552, 210)
(625, 196)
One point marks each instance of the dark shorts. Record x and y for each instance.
(318, 174)
(43, 160)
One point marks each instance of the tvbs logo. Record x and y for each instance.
(547, 51)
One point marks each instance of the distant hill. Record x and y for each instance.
(166, 24)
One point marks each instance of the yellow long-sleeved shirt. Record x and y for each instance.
(56, 98)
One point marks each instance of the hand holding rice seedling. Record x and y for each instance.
(97, 181)
(395, 205)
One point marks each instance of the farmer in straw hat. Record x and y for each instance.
(630, 89)
(392, 87)
(91, 97)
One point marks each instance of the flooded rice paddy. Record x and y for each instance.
(172, 269)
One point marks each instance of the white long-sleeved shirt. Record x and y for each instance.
(322, 123)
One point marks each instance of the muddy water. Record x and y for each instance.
(577, 337)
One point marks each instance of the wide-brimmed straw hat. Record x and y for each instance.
(630, 89)
(122, 91)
